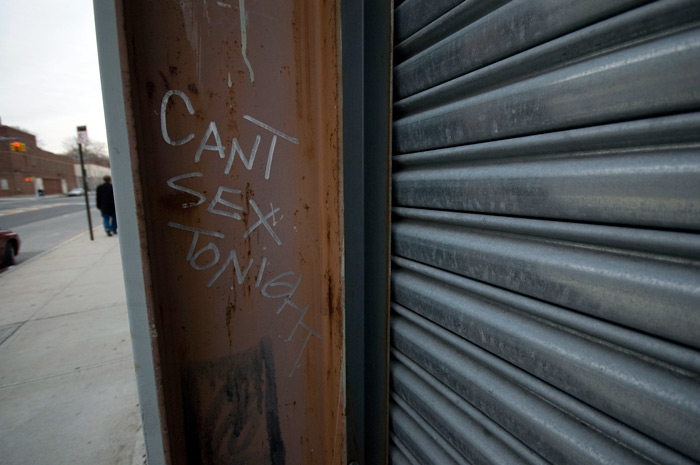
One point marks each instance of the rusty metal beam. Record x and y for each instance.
(232, 117)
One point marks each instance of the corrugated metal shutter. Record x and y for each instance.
(545, 232)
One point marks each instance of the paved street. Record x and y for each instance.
(44, 223)
(67, 383)
(16, 211)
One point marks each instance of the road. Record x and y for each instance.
(43, 223)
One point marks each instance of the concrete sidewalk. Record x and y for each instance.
(67, 384)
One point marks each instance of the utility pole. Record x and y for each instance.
(82, 138)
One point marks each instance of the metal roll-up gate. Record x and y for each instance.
(545, 232)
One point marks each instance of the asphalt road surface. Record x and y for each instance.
(44, 223)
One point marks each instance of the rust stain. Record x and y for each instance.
(179, 201)
(166, 83)
(214, 371)
(330, 289)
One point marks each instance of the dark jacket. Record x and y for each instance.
(105, 198)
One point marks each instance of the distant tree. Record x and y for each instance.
(94, 152)
(20, 128)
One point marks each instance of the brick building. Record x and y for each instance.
(33, 170)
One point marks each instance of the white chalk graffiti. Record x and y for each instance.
(202, 198)
(163, 113)
(219, 200)
(274, 288)
(204, 252)
(262, 220)
(243, 17)
(218, 147)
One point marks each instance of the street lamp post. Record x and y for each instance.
(82, 138)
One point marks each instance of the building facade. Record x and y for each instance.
(94, 174)
(29, 170)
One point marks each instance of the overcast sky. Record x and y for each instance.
(49, 75)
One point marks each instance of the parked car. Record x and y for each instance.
(9, 247)
(76, 191)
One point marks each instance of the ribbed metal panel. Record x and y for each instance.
(632, 27)
(605, 89)
(420, 438)
(546, 233)
(520, 25)
(399, 455)
(412, 39)
(657, 189)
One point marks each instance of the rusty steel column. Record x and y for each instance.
(233, 115)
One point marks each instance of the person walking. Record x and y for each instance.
(105, 203)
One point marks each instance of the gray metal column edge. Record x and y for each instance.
(366, 73)
(120, 159)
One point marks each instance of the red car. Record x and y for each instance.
(9, 247)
